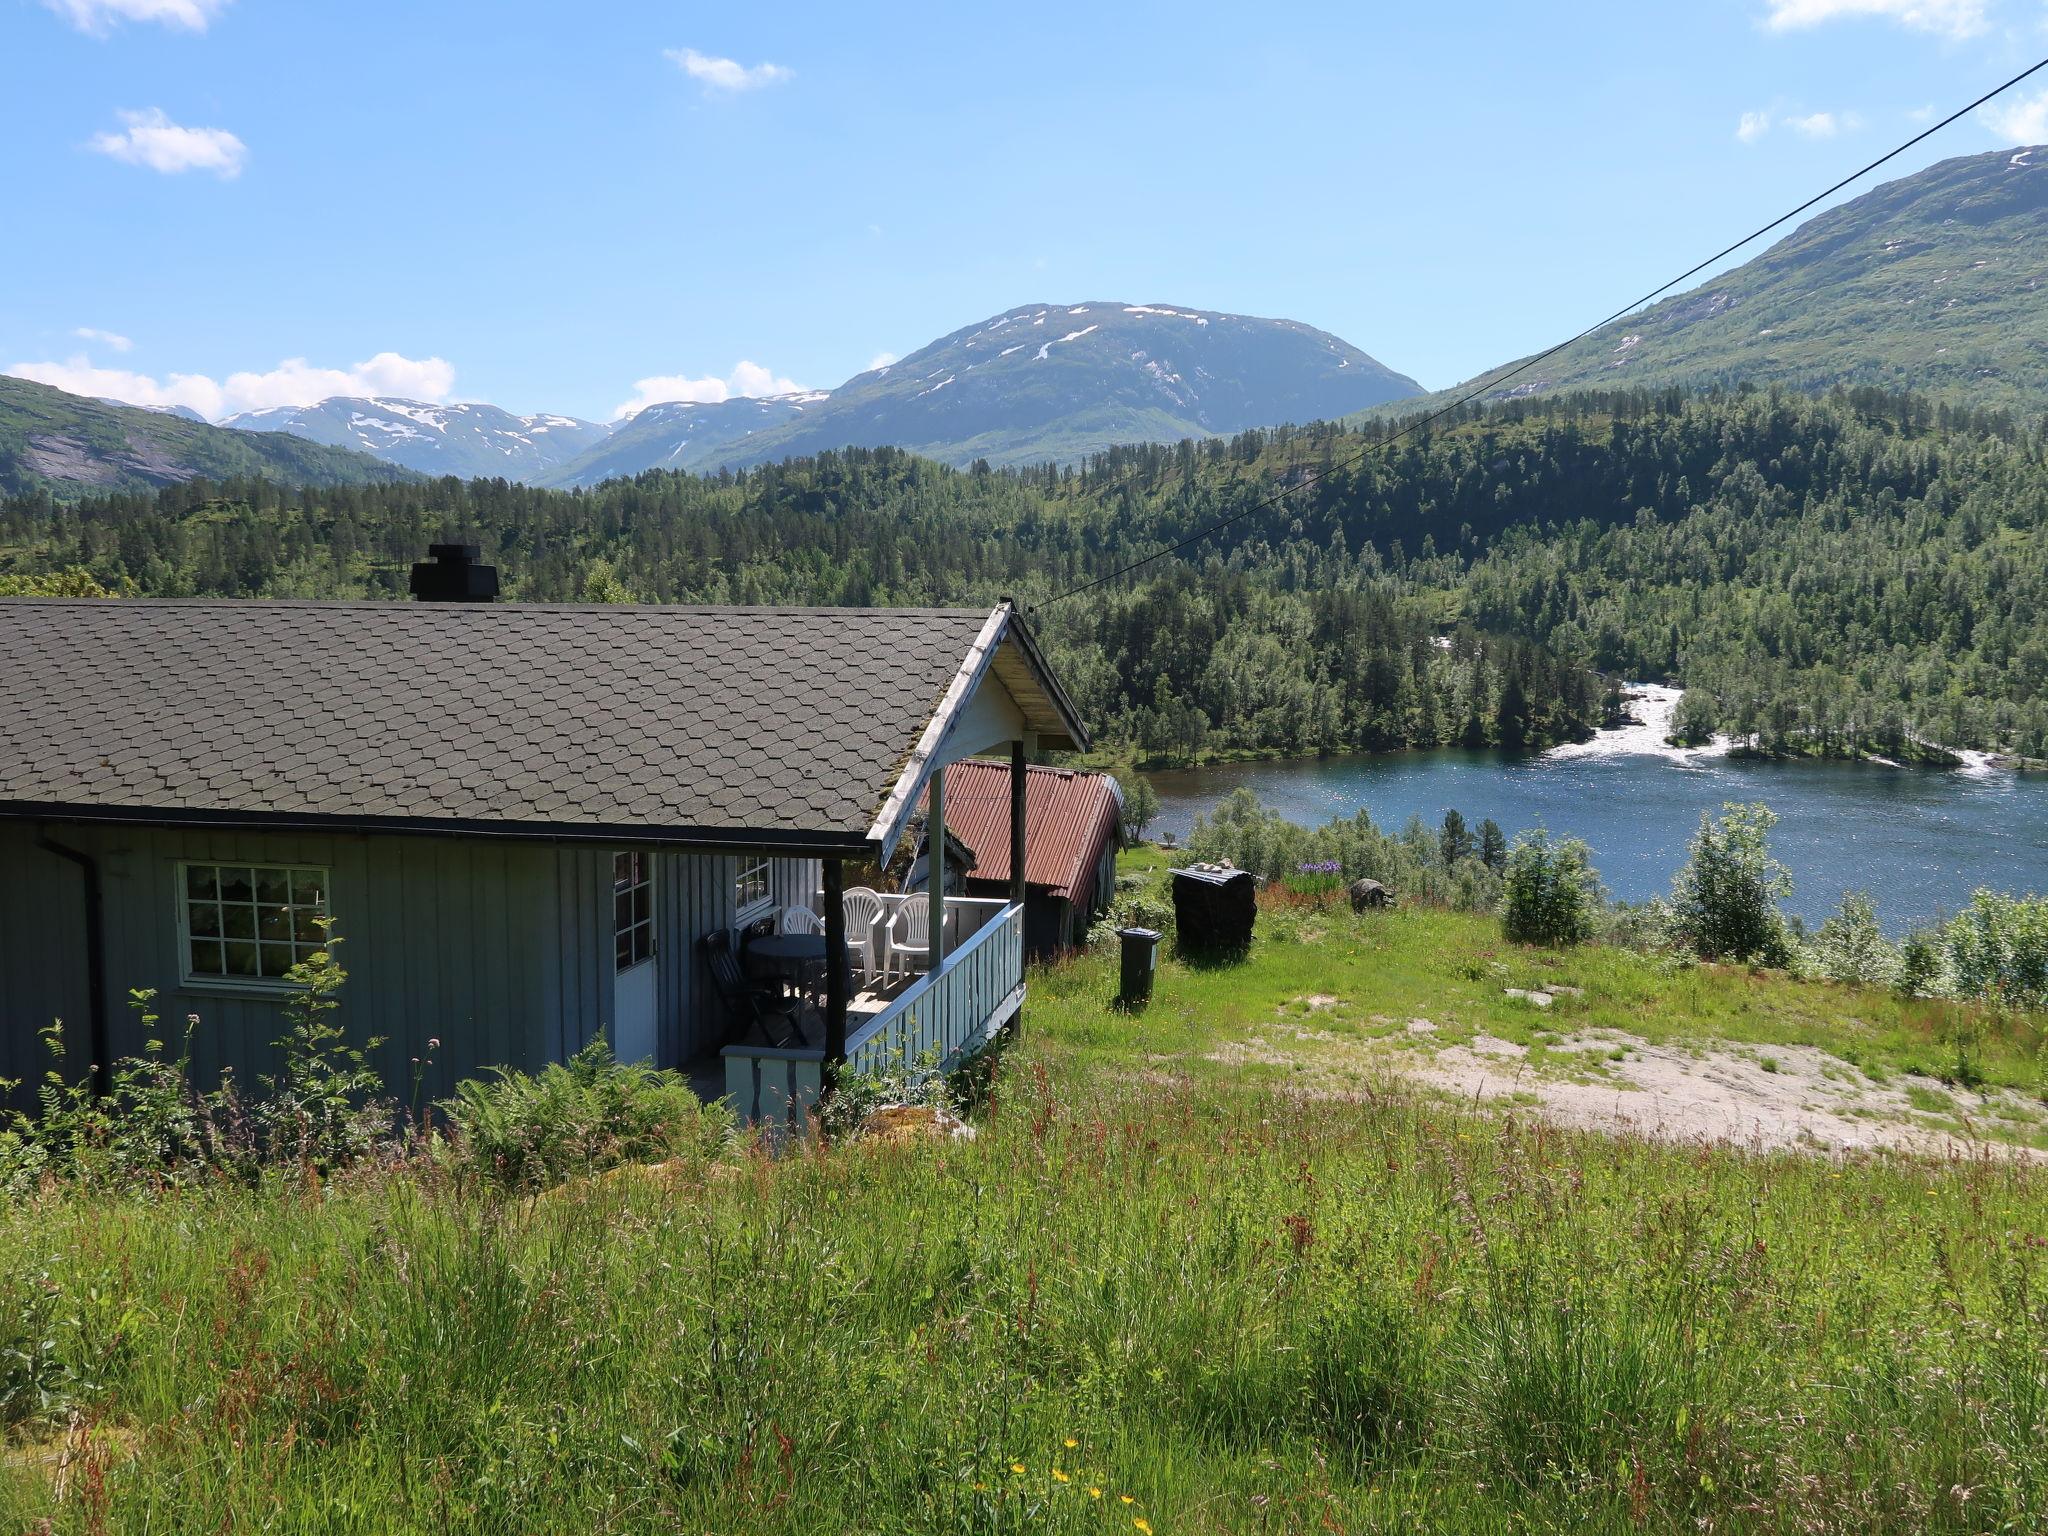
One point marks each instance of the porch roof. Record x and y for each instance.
(800, 728)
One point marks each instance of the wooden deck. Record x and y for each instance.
(927, 1022)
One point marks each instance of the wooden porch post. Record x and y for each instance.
(935, 868)
(835, 964)
(1017, 788)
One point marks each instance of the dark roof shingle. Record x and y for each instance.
(660, 720)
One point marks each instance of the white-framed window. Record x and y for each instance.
(632, 909)
(750, 891)
(248, 924)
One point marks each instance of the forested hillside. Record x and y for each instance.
(1835, 575)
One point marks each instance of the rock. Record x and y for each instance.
(1421, 1027)
(1369, 893)
(1524, 995)
(895, 1123)
(1558, 989)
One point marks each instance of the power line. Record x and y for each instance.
(1416, 424)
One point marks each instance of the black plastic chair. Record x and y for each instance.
(751, 1005)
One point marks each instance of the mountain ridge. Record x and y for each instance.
(1114, 373)
(70, 445)
(1930, 283)
(469, 439)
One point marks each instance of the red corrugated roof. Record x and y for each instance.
(1069, 816)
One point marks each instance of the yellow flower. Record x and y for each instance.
(1143, 1524)
(1094, 1493)
(1071, 1443)
(1127, 1498)
(1017, 1467)
(1060, 1477)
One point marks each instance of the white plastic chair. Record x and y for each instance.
(910, 935)
(801, 920)
(863, 909)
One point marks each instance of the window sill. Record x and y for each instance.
(239, 986)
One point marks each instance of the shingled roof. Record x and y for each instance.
(792, 727)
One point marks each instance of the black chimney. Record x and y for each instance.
(452, 575)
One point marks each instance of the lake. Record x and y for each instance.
(1918, 839)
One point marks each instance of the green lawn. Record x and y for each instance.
(1224, 1305)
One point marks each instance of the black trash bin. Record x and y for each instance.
(1140, 960)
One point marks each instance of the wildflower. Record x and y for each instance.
(1017, 1467)
(1094, 1493)
(1143, 1524)
(1060, 1477)
(1071, 1443)
(1127, 1498)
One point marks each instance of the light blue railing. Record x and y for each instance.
(942, 1018)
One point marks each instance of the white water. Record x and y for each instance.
(1653, 705)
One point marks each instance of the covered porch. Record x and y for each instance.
(908, 980)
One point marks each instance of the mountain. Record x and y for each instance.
(1933, 282)
(69, 445)
(1047, 381)
(472, 441)
(680, 434)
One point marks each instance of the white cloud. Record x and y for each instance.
(881, 360)
(1824, 125)
(1754, 125)
(745, 379)
(99, 17)
(1949, 18)
(718, 74)
(292, 382)
(110, 339)
(2022, 120)
(153, 140)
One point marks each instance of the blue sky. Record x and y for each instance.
(577, 207)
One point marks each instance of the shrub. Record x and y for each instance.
(1996, 950)
(1550, 893)
(1726, 897)
(1851, 947)
(530, 1130)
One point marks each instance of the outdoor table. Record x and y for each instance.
(797, 956)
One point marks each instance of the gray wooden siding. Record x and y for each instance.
(696, 897)
(42, 959)
(501, 951)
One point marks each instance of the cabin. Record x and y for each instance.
(1069, 867)
(527, 823)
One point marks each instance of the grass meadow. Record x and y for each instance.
(1154, 1295)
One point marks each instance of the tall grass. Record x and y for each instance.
(1236, 1309)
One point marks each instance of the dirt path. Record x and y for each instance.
(1769, 1098)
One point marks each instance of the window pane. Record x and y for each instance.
(205, 958)
(203, 918)
(622, 951)
(274, 923)
(277, 959)
(273, 885)
(237, 885)
(238, 922)
(200, 882)
(305, 927)
(241, 959)
(309, 888)
(643, 903)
